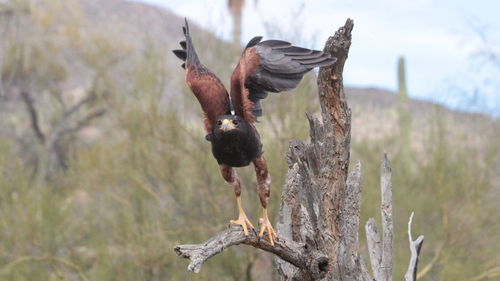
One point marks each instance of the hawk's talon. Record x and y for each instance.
(265, 225)
(242, 218)
(243, 221)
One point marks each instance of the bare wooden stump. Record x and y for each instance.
(320, 205)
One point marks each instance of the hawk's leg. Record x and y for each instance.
(231, 177)
(264, 188)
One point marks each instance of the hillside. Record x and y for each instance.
(136, 26)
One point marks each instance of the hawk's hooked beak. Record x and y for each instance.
(226, 125)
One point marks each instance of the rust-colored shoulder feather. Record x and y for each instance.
(239, 92)
(209, 91)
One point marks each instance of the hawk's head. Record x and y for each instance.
(229, 124)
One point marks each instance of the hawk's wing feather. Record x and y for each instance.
(207, 88)
(270, 66)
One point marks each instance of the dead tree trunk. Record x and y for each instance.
(320, 205)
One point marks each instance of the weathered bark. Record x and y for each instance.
(331, 198)
(380, 251)
(387, 222)
(320, 205)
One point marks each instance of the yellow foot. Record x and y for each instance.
(242, 218)
(243, 221)
(265, 225)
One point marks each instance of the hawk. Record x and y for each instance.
(264, 66)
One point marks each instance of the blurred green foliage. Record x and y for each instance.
(145, 180)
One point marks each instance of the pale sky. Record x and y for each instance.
(437, 38)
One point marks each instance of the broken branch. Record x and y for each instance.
(285, 249)
(33, 116)
(415, 247)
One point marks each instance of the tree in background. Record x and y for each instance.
(404, 116)
(236, 9)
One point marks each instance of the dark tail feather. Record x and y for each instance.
(180, 54)
(192, 57)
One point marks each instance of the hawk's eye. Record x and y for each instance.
(235, 122)
(219, 122)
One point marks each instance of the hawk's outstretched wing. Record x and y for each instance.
(207, 88)
(270, 66)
